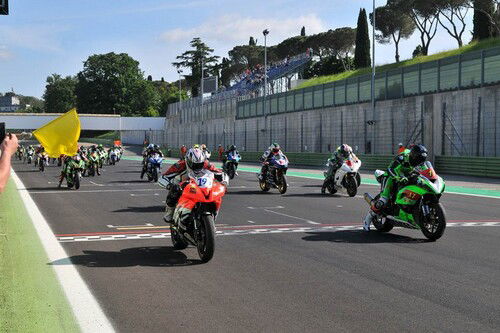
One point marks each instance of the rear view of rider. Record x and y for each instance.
(273, 150)
(398, 173)
(195, 161)
(338, 158)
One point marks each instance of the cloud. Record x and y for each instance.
(236, 29)
(5, 53)
(40, 38)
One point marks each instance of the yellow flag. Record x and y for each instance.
(60, 136)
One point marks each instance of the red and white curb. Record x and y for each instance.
(242, 230)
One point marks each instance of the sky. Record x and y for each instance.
(41, 37)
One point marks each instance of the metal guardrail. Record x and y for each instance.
(469, 70)
(469, 166)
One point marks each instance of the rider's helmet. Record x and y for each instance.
(195, 159)
(100, 146)
(418, 155)
(345, 150)
(156, 147)
(232, 148)
(275, 148)
(151, 146)
(196, 146)
(203, 147)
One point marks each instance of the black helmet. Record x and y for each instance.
(418, 155)
(275, 147)
(233, 147)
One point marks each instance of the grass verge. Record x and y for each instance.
(473, 46)
(31, 299)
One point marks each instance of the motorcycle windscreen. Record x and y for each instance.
(427, 170)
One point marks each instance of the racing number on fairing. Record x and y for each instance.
(201, 182)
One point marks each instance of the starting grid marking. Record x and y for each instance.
(247, 231)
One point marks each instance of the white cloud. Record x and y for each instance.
(236, 29)
(41, 38)
(5, 53)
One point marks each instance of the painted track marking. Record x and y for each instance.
(86, 309)
(242, 230)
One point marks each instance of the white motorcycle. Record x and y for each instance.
(346, 178)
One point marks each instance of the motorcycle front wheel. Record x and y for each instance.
(351, 186)
(77, 180)
(205, 242)
(264, 186)
(177, 241)
(283, 185)
(434, 224)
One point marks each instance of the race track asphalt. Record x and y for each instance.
(292, 263)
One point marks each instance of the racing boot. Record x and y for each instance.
(169, 214)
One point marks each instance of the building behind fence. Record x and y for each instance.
(451, 105)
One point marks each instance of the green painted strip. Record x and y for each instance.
(31, 299)
(449, 189)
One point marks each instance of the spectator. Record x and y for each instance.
(183, 151)
(8, 148)
(220, 152)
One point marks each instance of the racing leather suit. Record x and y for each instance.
(179, 169)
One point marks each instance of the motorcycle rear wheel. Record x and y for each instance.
(432, 230)
(206, 238)
(264, 186)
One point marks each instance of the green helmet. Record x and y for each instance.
(275, 147)
(100, 146)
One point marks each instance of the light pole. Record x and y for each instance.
(373, 79)
(179, 71)
(265, 33)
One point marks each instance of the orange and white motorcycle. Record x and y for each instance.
(201, 198)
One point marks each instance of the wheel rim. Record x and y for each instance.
(433, 221)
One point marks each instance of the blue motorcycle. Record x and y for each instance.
(231, 164)
(154, 167)
(276, 174)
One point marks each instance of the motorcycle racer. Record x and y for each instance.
(148, 151)
(342, 153)
(195, 161)
(398, 173)
(274, 149)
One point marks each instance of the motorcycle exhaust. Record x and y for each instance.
(368, 198)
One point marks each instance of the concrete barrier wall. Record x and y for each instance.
(31, 121)
(138, 137)
(455, 123)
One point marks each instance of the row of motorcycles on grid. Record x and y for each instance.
(415, 205)
(87, 162)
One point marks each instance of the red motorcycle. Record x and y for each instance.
(202, 197)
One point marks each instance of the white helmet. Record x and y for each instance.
(151, 146)
(195, 159)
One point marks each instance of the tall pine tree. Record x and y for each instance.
(303, 31)
(483, 12)
(362, 56)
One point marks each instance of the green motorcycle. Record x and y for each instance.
(93, 164)
(73, 172)
(414, 205)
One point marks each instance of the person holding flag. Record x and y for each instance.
(8, 148)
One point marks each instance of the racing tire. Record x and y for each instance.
(77, 181)
(42, 166)
(351, 187)
(264, 186)
(283, 186)
(155, 175)
(206, 238)
(177, 241)
(230, 172)
(358, 179)
(440, 213)
(382, 224)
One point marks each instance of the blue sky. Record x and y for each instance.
(41, 37)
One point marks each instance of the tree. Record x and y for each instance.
(192, 59)
(303, 31)
(484, 19)
(150, 78)
(342, 41)
(425, 16)
(59, 93)
(393, 24)
(362, 56)
(252, 42)
(113, 83)
(452, 16)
